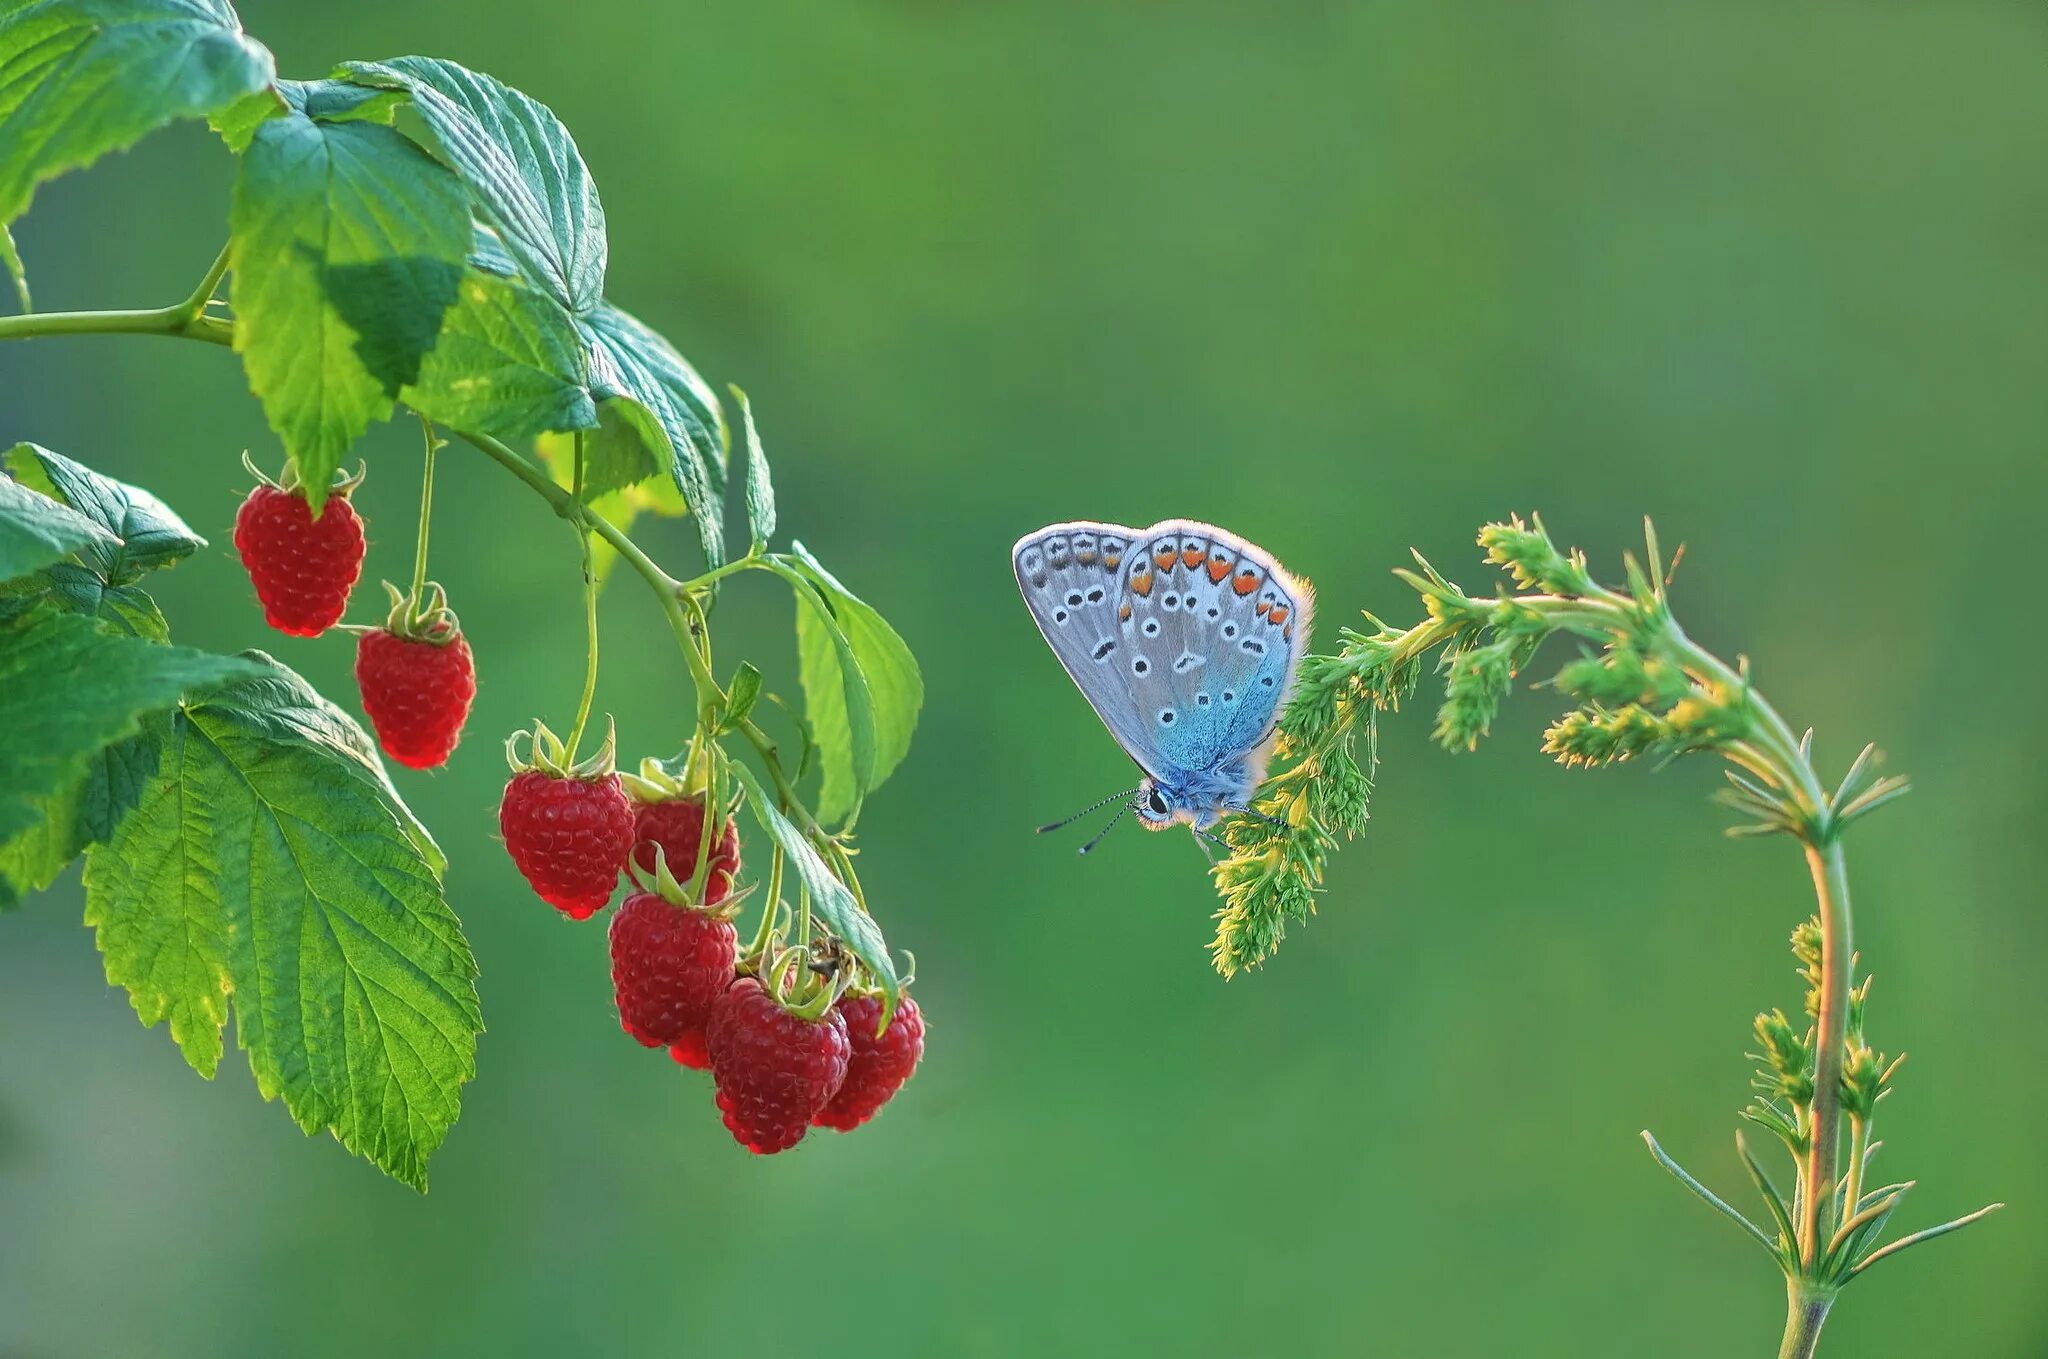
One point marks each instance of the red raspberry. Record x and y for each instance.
(878, 1067)
(569, 836)
(691, 1051)
(302, 567)
(670, 964)
(417, 693)
(774, 1069)
(677, 825)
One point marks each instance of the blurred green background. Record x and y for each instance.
(1345, 278)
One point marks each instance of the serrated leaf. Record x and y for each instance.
(10, 260)
(832, 901)
(348, 242)
(509, 363)
(148, 534)
(837, 702)
(521, 165)
(270, 862)
(328, 101)
(80, 78)
(895, 686)
(760, 489)
(37, 530)
(655, 415)
(69, 689)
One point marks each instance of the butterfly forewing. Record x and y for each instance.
(1072, 577)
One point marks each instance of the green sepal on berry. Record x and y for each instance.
(343, 482)
(664, 884)
(547, 753)
(422, 617)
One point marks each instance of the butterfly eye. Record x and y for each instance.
(1157, 802)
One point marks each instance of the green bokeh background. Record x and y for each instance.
(1346, 278)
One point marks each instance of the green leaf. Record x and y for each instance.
(895, 686)
(84, 812)
(831, 900)
(80, 78)
(836, 701)
(10, 259)
(329, 101)
(510, 363)
(37, 530)
(270, 861)
(147, 534)
(655, 414)
(67, 690)
(521, 165)
(348, 243)
(760, 490)
(740, 696)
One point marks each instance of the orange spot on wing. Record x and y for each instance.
(1163, 558)
(1263, 606)
(1142, 583)
(1123, 615)
(1191, 557)
(1278, 615)
(1113, 560)
(1219, 567)
(1086, 556)
(1245, 583)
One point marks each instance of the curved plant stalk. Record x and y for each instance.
(1642, 688)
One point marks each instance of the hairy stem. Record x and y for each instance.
(1831, 887)
(1805, 1313)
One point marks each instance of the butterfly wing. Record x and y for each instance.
(1072, 577)
(1184, 637)
(1224, 627)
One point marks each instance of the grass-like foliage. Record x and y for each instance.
(1637, 688)
(244, 844)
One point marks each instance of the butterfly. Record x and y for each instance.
(1185, 639)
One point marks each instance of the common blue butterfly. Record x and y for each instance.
(1185, 639)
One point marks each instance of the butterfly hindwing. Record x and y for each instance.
(1221, 625)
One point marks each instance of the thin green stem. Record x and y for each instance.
(419, 556)
(1852, 1179)
(589, 609)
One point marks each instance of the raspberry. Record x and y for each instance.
(303, 568)
(878, 1067)
(569, 836)
(670, 964)
(677, 826)
(775, 1070)
(417, 692)
(690, 1051)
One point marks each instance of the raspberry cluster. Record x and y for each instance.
(781, 1062)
